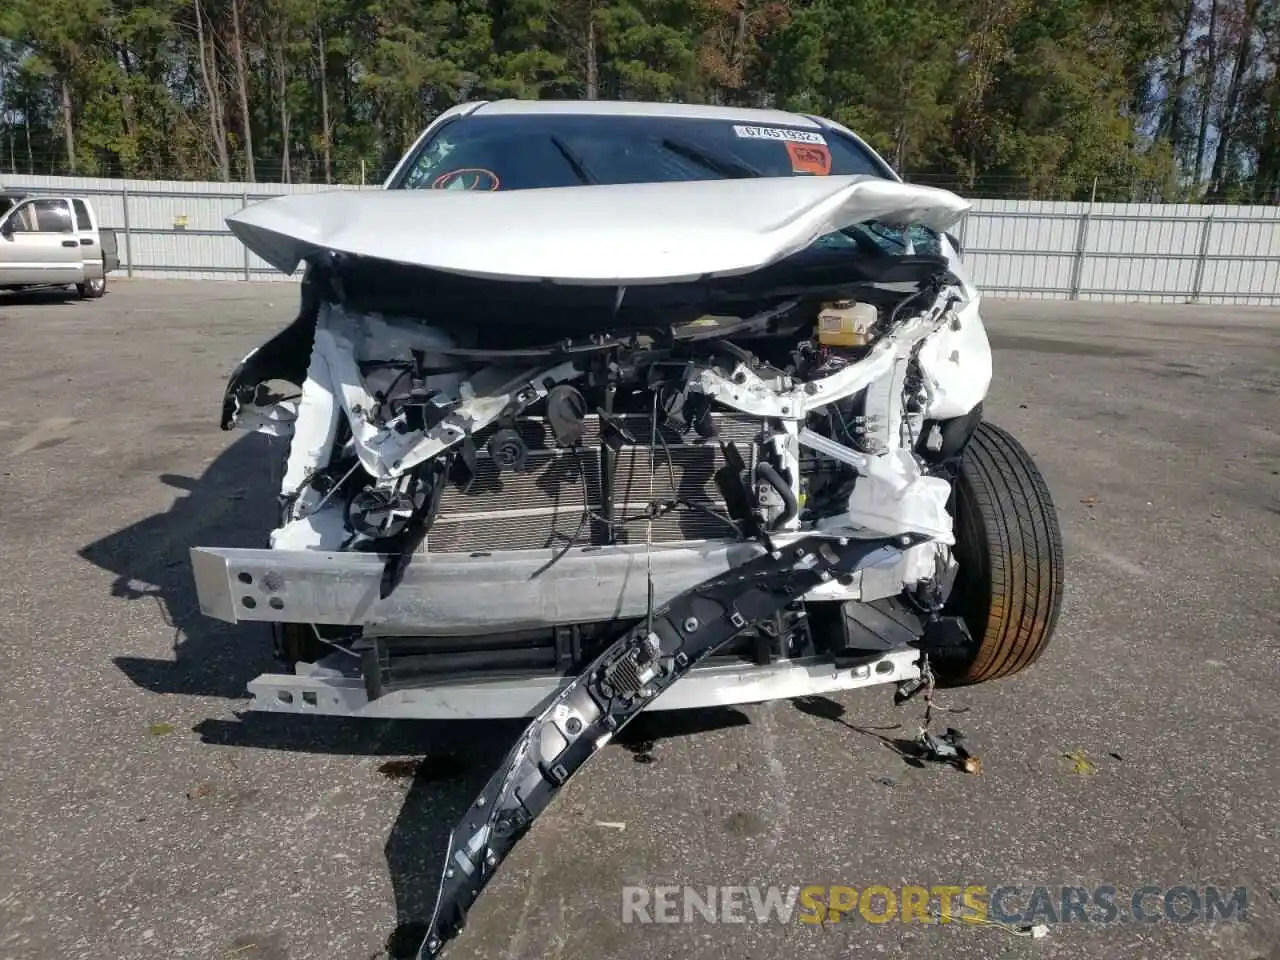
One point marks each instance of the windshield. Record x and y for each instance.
(525, 152)
(567, 150)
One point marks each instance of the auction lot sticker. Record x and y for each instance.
(778, 133)
(809, 158)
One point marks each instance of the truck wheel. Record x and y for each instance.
(92, 289)
(1009, 549)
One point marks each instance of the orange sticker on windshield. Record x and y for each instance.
(810, 158)
(468, 178)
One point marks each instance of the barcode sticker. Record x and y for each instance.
(778, 133)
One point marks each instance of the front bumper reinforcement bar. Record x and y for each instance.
(635, 670)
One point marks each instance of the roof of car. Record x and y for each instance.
(618, 108)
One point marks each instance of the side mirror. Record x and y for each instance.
(8, 228)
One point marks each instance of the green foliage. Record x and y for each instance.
(1061, 98)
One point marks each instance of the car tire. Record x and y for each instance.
(1009, 550)
(92, 289)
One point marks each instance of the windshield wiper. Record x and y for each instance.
(865, 244)
(725, 166)
(888, 236)
(575, 162)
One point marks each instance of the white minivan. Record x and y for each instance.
(52, 241)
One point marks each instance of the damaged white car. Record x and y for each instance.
(599, 407)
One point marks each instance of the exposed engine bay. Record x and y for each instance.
(830, 417)
(743, 409)
(723, 444)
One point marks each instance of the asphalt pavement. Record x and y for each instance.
(146, 815)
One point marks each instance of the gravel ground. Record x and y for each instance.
(147, 816)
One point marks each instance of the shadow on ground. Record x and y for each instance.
(232, 505)
(452, 761)
(824, 708)
(458, 760)
(29, 298)
(642, 736)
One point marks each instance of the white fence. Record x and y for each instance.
(1019, 248)
(1125, 251)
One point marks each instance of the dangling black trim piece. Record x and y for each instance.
(631, 674)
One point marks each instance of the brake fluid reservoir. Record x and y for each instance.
(846, 323)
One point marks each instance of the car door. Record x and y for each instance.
(90, 242)
(39, 245)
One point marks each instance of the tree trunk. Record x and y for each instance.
(1206, 99)
(1174, 108)
(68, 127)
(1244, 49)
(1269, 151)
(208, 74)
(325, 127)
(1175, 99)
(237, 51)
(127, 117)
(283, 69)
(286, 172)
(593, 64)
(738, 52)
(26, 120)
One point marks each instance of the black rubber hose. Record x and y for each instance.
(790, 507)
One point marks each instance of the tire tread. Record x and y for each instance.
(1008, 523)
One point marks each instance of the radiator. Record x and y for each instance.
(552, 502)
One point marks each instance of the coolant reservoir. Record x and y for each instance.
(846, 323)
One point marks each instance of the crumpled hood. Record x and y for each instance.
(625, 234)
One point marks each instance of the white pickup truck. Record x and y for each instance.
(54, 241)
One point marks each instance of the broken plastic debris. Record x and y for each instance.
(611, 824)
(1080, 764)
(1036, 931)
(948, 748)
(160, 729)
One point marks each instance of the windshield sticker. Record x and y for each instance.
(809, 158)
(778, 133)
(467, 178)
